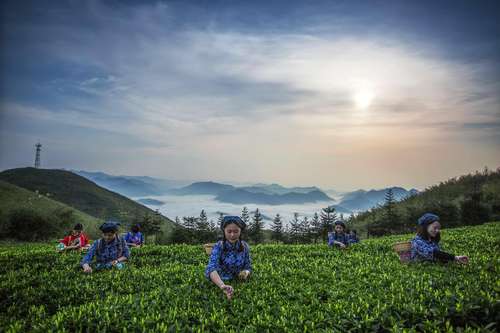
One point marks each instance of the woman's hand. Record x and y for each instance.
(462, 259)
(228, 290)
(87, 269)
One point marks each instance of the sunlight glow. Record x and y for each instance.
(363, 99)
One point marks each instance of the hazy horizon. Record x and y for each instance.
(250, 183)
(186, 182)
(340, 95)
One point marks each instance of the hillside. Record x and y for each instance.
(465, 200)
(82, 194)
(13, 197)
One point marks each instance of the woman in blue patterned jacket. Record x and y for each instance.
(134, 237)
(339, 238)
(110, 251)
(425, 245)
(230, 258)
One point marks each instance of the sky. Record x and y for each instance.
(337, 94)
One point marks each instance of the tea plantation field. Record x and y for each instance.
(294, 288)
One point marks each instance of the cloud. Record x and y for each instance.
(492, 126)
(212, 92)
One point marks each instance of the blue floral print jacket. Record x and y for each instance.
(228, 261)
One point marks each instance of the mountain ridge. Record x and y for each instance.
(80, 193)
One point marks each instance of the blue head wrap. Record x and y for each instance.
(340, 223)
(109, 226)
(427, 219)
(226, 220)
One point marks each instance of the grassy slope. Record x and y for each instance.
(82, 194)
(14, 197)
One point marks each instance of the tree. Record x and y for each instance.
(203, 220)
(220, 219)
(412, 215)
(305, 230)
(472, 210)
(255, 230)
(491, 196)
(177, 220)
(214, 229)
(315, 227)
(447, 211)
(351, 217)
(376, 226)
(181, 235)
(150, 224)
(189, 222)
(245, 216)
(295, 228)
(328, 218)
(390, 215)
(277, 228)
(202, 228)
(287, 239)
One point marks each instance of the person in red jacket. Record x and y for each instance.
(76, 240)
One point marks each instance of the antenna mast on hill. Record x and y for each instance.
(37, 156)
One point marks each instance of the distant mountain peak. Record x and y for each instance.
(361, 200)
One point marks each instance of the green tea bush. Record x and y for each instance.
(293, 288)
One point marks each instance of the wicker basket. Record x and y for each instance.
(208, 247)
(403, 249)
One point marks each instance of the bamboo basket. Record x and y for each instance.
(208, 247)
(403, 249)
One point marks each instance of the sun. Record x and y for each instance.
(363, 99)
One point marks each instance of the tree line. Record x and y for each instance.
(196, 230)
